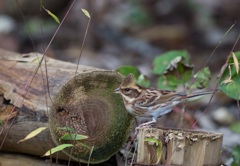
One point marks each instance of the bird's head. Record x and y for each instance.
(129, 89)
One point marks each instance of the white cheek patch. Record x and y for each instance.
(128, 98)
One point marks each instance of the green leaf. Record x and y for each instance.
(230, 81)
(202, 77)
(173, 81)
(86, 13)
(52, 15)
(140, 78)
(125, 70)
(70, 137)
(178, 75)
(236, 155)
(161, 62)
(159, 147)
(235, 127)
(163, 84)
(152, 140)
(33, 134)
(66, 128)
(143, 81)
(57, 149)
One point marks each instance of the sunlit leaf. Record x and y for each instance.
(52, 15)
(235, 60)
(33, 134)
(76, 137)
(86, 13)
(57, 149)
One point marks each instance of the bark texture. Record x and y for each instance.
(179, 147)
(84, 103)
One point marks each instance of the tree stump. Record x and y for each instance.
(179, 147)
(85, 103)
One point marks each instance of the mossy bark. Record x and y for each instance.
(88, 105)
(85, 102)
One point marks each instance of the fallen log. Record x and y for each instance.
(56, 98)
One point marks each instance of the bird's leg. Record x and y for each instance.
(148, 124)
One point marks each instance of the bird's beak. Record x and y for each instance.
(116, 90)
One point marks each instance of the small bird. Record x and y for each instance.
(149, 102)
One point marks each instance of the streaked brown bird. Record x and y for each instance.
(149, 102)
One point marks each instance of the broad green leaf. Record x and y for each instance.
(86, 13)
(230, 81)
(66, 128)
(178, 75)
(162, 62)
(52, 15)
(162, 83)
(202, 77)
(173, 81)
(125, 70)
(143, 81)
(235, 61)
(76, 137)
(235, 127)
(57, 149)
(185, 72)
(33, 134)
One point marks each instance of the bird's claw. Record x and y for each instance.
(142, 126)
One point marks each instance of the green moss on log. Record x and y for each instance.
(88, 104)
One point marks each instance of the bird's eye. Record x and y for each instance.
(127, 89)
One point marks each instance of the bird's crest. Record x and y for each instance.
(128, 81)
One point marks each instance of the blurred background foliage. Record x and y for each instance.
(136, 35)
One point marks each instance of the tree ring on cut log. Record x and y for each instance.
(88, 105)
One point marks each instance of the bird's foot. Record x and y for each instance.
(144, 125)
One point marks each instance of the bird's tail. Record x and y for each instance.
(197, 95)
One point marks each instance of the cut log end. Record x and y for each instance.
(178, 147)
(88, 105)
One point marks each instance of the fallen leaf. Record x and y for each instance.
(56, 149)
(33, 134)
